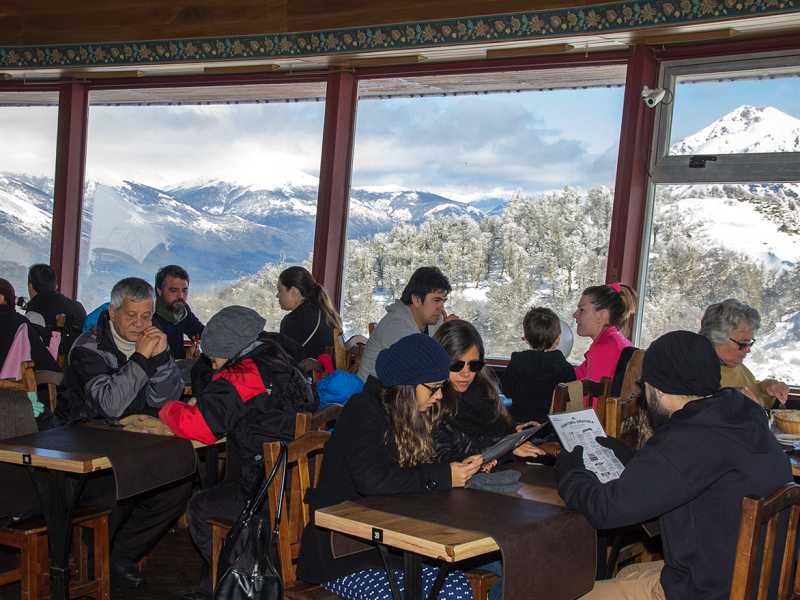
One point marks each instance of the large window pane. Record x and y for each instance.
(757, 115)
(226, 190)
(509, 194)
(27, 166)
(712, 242)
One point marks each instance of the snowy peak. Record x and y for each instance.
(748, 129)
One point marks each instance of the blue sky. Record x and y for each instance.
(464, 146)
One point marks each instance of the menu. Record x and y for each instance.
(581, 428)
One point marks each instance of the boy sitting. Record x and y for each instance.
(532, 375)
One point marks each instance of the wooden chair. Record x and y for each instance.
(304, 462)
(52, 379)
(26, 382)
(758, 532)
(339, 351)
(30, 538)
(318, 421)
(61, 326)
(569, 397)
(622, 413)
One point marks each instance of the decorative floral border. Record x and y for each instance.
(617, 16)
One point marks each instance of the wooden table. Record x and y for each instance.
(59, 478)
(422, 538)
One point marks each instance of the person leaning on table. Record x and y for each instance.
(731, 326)
(122, 367)
(711, 447)
(382, 445)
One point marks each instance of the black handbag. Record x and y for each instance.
(248, 559)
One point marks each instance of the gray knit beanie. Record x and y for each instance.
(230, 331)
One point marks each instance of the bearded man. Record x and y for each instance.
(711, 447)
(173, 315)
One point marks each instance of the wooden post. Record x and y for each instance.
(334, 182)
(73, 106)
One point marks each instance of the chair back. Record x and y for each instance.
(318, 421)
(758, 533)
(16, 411)
(61, 329)
(569, 397)
(304, 462)
(624, 417)
(339, 350)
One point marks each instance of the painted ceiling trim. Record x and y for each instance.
(531, 25)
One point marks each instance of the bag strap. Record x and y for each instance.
(316, 327)
(283, 458)
(262, 492)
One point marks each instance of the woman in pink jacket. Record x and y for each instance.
(602, 311)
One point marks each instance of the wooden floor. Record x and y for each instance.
(173, 568)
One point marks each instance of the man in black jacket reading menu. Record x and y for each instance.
(711, 447)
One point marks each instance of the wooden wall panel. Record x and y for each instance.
(87, 21)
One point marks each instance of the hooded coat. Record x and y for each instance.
(693, 474)
(397, 323)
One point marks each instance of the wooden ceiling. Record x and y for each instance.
(36, 22)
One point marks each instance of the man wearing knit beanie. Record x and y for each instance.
(710, 448)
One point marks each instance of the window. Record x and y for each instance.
(730, 229)
(510, 194)
(29, 123)
(222, 181)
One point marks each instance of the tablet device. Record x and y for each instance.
(508, 443)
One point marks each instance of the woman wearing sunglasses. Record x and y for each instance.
(475, 416)
(382, 445)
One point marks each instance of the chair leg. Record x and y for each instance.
(102, 575)
(29, 568)
(217, 538)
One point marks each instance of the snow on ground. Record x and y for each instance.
(740, 227)
(478, 294)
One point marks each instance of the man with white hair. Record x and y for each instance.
(121, 367)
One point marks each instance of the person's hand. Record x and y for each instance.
(146, 344)
(488, 466)
(450, 317)
(528, 450)
(191, 401)
(159, 336)
(776, 389)
(569, 461)
(526, 424)
(460, 472)
(620, 449)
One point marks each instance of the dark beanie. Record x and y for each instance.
(682, 363)
(414, 359)
(230, 331)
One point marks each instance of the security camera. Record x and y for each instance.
(653, 97)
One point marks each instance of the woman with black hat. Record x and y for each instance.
(383, 445)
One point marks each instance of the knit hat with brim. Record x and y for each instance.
(682, 363)
(412, 360)
(230, 331)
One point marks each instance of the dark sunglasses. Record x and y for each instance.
(743, 345)
(474, 366)
(433, 388)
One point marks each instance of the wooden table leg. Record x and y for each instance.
(58, 495)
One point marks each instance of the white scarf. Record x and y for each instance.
(123, 345)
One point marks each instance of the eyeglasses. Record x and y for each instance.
(743, 345)
(433, 388)
(474, 366)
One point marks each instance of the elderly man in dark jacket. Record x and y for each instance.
(119, 368)
(711, 448)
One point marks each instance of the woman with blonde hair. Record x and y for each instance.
(312, 317)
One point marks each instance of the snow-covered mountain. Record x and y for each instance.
(761, 220)
(219, 230)
(747, 129)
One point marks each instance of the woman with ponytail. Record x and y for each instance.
(312, 317)
(602, 311)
